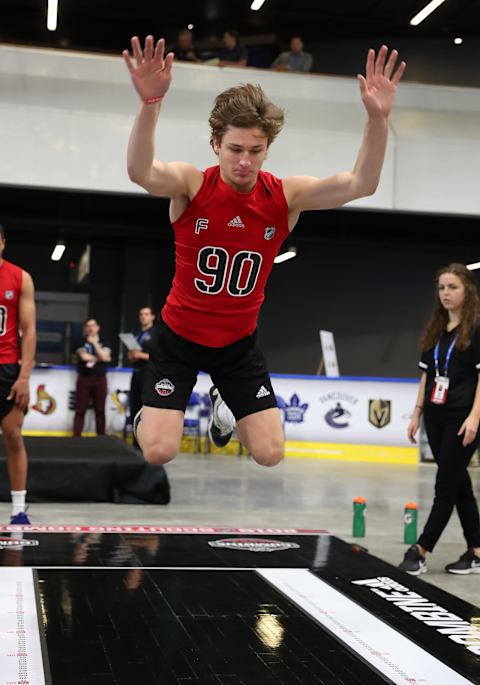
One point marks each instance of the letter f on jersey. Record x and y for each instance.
(201, 224)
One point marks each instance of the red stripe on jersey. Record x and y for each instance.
(10, 287)
(225, 244)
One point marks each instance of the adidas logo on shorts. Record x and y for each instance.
(236, 222)
(262, 392)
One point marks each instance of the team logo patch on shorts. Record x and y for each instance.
(164, 387)
(254, 544)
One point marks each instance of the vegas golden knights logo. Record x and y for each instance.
(379, 412)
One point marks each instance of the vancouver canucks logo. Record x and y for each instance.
(338, 417)
(269, 232)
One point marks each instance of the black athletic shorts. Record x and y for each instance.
(238, 370)
(8, 376)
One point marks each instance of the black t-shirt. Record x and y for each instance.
(235, 54)
(183, 55)
(87, 368)
(463, 369)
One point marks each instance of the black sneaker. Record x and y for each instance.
(468, 563)
(413, 562)
(218, 432)
(136, 421)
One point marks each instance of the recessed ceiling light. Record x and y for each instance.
(458, 41)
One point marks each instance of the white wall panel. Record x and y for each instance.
(65, 119)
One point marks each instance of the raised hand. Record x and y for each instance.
(379, 87)
(150, 70)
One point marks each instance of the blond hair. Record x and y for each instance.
(245, 106)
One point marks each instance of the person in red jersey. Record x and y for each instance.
(17, 314)
(229, 222)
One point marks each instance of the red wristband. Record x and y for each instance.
(152, 101)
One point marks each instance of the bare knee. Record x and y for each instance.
(268, 456)
(159, 453)
(13, 438)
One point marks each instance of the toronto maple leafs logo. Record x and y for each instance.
(293, 412)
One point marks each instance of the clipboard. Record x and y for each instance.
(130, 341)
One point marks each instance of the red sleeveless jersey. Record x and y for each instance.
(225, 244)
(10, 286)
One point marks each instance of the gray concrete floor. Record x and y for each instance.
(301, 493)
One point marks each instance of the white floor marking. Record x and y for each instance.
(388, 651)
(20, 648)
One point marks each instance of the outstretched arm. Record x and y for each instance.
(151, 74)
(377, 91)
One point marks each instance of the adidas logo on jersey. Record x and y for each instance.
(262, 392)
(236, 222)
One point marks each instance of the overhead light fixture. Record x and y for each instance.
(458, 41)
(190, 27)
(256, 4)
(58, 251)
(473, 266)
(427, 10)
(289, 254)
(52, 15)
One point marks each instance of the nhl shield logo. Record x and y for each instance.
(269, 232)
(164, 387)
(9, 294)
(379, 412)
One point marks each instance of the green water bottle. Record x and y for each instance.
(359, 507)
(410, 523)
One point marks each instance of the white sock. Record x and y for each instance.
(226, 417)
(18, 501)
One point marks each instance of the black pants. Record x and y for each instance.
(453, 487)
(87, 387)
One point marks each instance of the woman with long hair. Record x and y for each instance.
(449, 398)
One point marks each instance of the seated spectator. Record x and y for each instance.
(184, 50)
(294, 59)
(233, 54)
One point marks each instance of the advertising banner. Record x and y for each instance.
(314, 409)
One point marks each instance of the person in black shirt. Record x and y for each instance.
(93, 359)
(233, 54)
(449, 397)
(184, 50)
(140, 359)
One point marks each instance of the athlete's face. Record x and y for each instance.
(451, 292)
(241, 153)
(2, 246)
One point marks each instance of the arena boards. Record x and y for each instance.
(132, 605)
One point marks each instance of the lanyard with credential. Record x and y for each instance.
(447, 358)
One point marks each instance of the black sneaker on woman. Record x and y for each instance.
(468, 563)
(413, 562)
